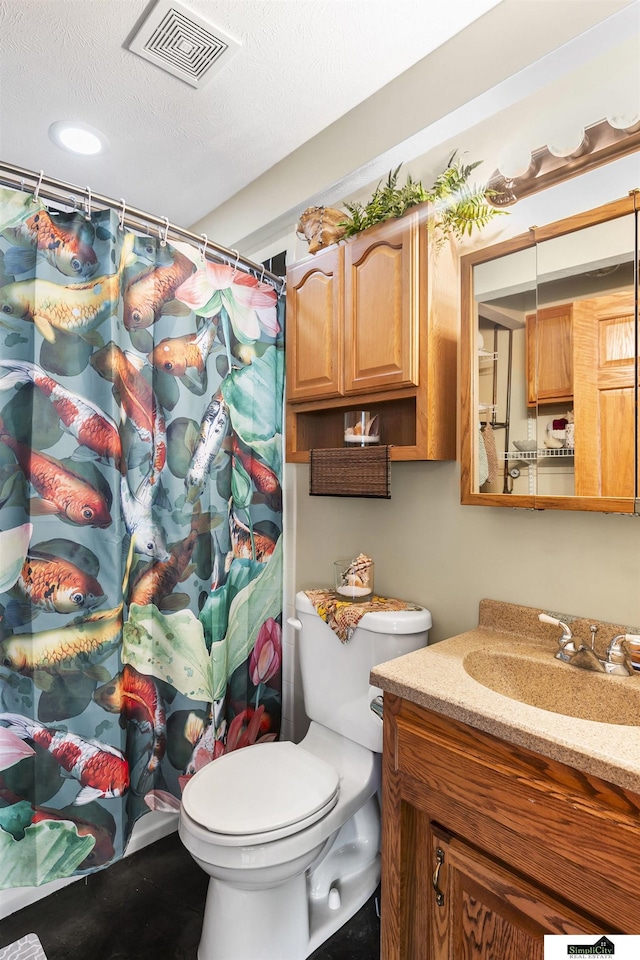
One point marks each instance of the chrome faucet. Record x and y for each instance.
(617, 660)
(567, 648)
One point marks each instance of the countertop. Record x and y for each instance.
(435, 677)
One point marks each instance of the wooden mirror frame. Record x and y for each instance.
(468, 382)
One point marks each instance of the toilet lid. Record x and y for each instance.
(261, 788)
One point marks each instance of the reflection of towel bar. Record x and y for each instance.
(495, 424)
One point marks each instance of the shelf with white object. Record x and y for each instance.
(544, 453)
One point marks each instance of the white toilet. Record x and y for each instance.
(290, 833)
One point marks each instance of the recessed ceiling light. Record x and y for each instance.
(77, 137)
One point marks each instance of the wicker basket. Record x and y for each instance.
(346, 472)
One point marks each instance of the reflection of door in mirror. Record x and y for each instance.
(586, 361)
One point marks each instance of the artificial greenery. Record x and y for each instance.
(458, 208)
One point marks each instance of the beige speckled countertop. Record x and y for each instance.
(435, 677)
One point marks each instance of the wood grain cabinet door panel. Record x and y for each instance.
(314, 326)
(382, 304)
(487, 911)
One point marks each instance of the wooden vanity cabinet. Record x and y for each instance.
(487, 846)
(372, 324)
(549, 355)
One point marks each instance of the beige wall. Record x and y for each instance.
(430, 549)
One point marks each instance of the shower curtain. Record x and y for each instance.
(140, 528)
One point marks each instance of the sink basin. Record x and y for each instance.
(558, 687)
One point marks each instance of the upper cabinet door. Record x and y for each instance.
(314, 326)
(382, 307)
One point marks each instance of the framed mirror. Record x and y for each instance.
(550, 366)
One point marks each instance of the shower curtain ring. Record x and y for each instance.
(235, 266)
(163, 236)
(37, 189)
(87, 205)
(262, 274)
(203, 248)
(121, 214)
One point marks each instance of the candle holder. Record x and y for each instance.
(354, 579)
(360, 428)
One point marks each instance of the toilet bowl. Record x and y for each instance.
(289, 834)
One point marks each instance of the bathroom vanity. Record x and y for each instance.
(504, 821)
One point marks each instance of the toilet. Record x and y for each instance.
(289, 834)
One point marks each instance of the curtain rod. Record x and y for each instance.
(50, 188)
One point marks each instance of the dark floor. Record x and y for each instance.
(149, 907)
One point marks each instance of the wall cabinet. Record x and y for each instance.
(488, 846)
(372, 323)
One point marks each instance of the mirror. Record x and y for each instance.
(550, 366)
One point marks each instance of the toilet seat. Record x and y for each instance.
(261, 793)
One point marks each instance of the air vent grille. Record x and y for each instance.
(182, 43)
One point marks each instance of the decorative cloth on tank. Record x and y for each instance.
(344, 616)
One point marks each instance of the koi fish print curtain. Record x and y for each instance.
(140, 529)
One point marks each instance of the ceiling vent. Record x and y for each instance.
(182, 43)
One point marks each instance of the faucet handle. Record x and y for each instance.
(566, 630)
(618, 651)
(545, 618)
(567, 648)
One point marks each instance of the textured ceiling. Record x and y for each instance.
(180, 152)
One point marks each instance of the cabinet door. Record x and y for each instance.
(314, 327)
(486, 912)
(382, 305)
(549, 355)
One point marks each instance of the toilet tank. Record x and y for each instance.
(335, 675)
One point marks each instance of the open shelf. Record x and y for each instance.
(314, 428)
